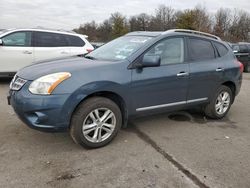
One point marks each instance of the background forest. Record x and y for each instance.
(230, 25)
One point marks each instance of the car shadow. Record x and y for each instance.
(195, 116)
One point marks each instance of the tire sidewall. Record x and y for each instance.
(84, 110)
(219, 91)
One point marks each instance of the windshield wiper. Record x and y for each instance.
(90, 57)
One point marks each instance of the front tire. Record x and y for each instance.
(220, 103)
(95, 122)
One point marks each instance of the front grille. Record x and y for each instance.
(17, 83)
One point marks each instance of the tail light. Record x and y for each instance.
(89, 50)
(241, 66)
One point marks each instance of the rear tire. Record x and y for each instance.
(220, 103)
(95, 122)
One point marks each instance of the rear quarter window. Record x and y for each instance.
(75, 41)
(200, 49)
(222, 50)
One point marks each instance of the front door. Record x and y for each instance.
(16, 51)
(163, 86)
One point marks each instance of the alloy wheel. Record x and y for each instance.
(222, 103)
(99, 125)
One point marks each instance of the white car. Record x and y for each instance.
(21, 47)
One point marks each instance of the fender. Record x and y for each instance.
(85, 90)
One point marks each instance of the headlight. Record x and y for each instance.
(46, 84)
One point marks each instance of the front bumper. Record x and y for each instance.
(41, 112)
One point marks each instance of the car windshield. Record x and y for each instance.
(118, 49)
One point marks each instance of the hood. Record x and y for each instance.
(37, 70)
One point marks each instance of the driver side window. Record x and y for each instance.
(17, 39)
(171, 51)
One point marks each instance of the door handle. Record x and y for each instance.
(219, 69)
(183, 74)
(27, 52)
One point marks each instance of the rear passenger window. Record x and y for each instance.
(200, 50)
(46, 39)
(222, 50)
(75, 41)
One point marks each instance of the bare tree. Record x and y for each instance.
(222, 22)
(240, 26)
(119, 25)
(105, 31)
(186, 20)
(231, 26)
(90, 29)
(139, 22)
(164, 18)
(202, 20)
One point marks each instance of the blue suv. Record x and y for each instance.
(139, 73)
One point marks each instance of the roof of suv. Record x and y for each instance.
(44, 30)
(145, 33)
(174, 31)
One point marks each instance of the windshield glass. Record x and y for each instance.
(118, 49)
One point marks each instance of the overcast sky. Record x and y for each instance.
(69, 14)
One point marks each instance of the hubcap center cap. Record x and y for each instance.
(99, 124)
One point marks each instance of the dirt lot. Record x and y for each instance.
(184, 150)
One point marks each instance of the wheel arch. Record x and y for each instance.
(116, 98)
(232, 86)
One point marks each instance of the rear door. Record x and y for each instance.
(164, 86)
(206, 72)
(50, 45)
(16, 51)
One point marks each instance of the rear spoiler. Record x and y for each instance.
(85, 36)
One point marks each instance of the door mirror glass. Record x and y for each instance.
(1, 42)
(151, 61)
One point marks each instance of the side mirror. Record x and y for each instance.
(151, 61)
(1, 42)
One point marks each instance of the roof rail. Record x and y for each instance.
(62, 30)
(192, 32)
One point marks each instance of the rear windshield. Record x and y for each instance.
(236, 47)
(119, 49)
